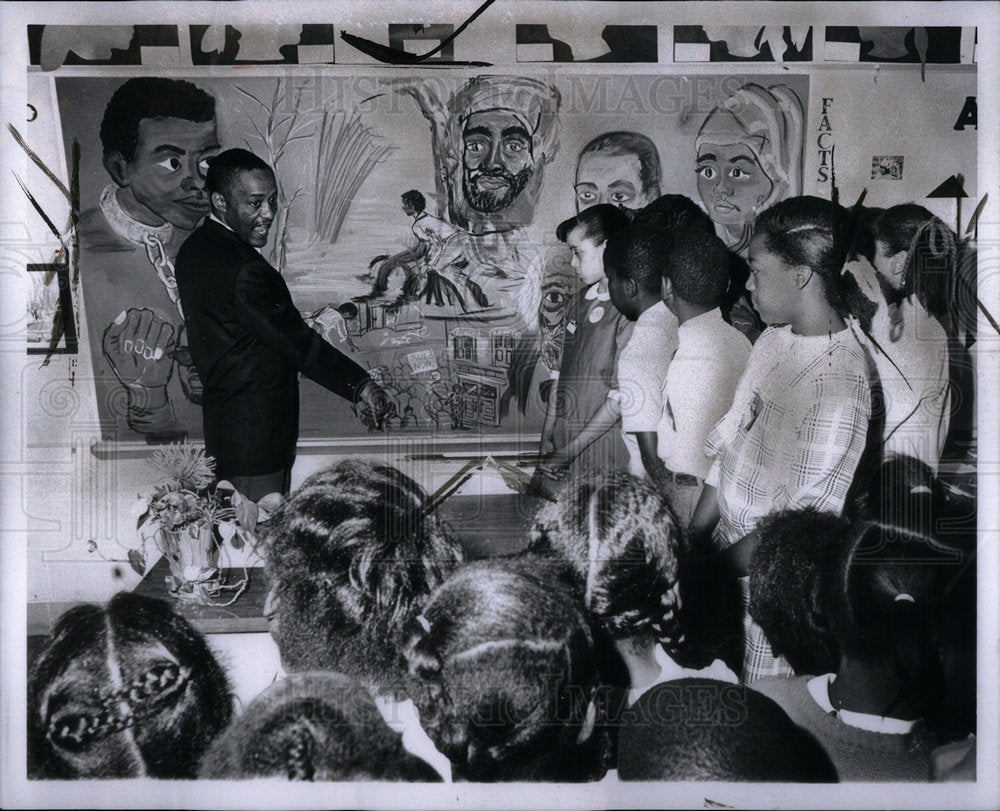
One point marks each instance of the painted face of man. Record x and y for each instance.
(771, 283)
(732, 185)
(497, 160)
(588, 256)
(165, 179)
(558, 285)
(613, 179)
(249, 206)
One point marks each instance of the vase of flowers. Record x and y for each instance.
(189, 518)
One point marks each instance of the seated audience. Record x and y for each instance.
(623, 545)
(504, 673)
(790, 564)
(129, 690)
(877, 599)
(351, 558)
(313, 726)
(699, 729)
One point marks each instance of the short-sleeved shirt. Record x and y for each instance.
(596, 334)
(701, 381)
(641, 372)
(795, 432)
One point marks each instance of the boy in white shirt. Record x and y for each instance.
(702, 377)
(632, 263)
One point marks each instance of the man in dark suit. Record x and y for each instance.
(247, 339)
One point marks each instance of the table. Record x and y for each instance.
(485, 526)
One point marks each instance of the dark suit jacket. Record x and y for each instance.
(249, 342)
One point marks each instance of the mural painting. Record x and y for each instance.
(415, 224)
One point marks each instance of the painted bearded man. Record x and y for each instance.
(501, 132)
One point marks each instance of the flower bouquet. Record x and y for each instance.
(189, 518)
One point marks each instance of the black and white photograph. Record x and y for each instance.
(506, 404)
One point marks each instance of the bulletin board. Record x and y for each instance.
(459, 331)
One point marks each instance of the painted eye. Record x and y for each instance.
(736, 172)
(585, 196)
(514, 146)
(555, 298)
(621, 197)
(203, 164)
(170, 164)
(707, 172)
(475, 147)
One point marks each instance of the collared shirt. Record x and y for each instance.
(404, 718)
(671, 671)
(795, 432)
(642, 368)
(711, 357)
(819, 689)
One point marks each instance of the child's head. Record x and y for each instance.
(699, 729)
(351, 557)
(674, 214)
(504, 673)
(788, 575)
(313, 726)
(881, 601)
(695, 270)
(633, 260)
(130, 690)
(916, 253)
(903, 492)
(798, 244)
(622, 543)
(586, 234)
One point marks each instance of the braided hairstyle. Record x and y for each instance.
(351, 557)
(504, 669)
(622, 541)
(130, 690)
(815, 232)
(313, 727)
(787, 576)
(931, 257)
(881, 599)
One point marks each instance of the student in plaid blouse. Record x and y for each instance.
(798, 424)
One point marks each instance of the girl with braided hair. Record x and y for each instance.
(798, 427)
(352, 556)
(878, 598)
(504, 674)
(621, 540)
(130, 690)
(313, 727)
(916, 264)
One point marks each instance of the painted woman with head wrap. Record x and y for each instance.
(749, 156)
